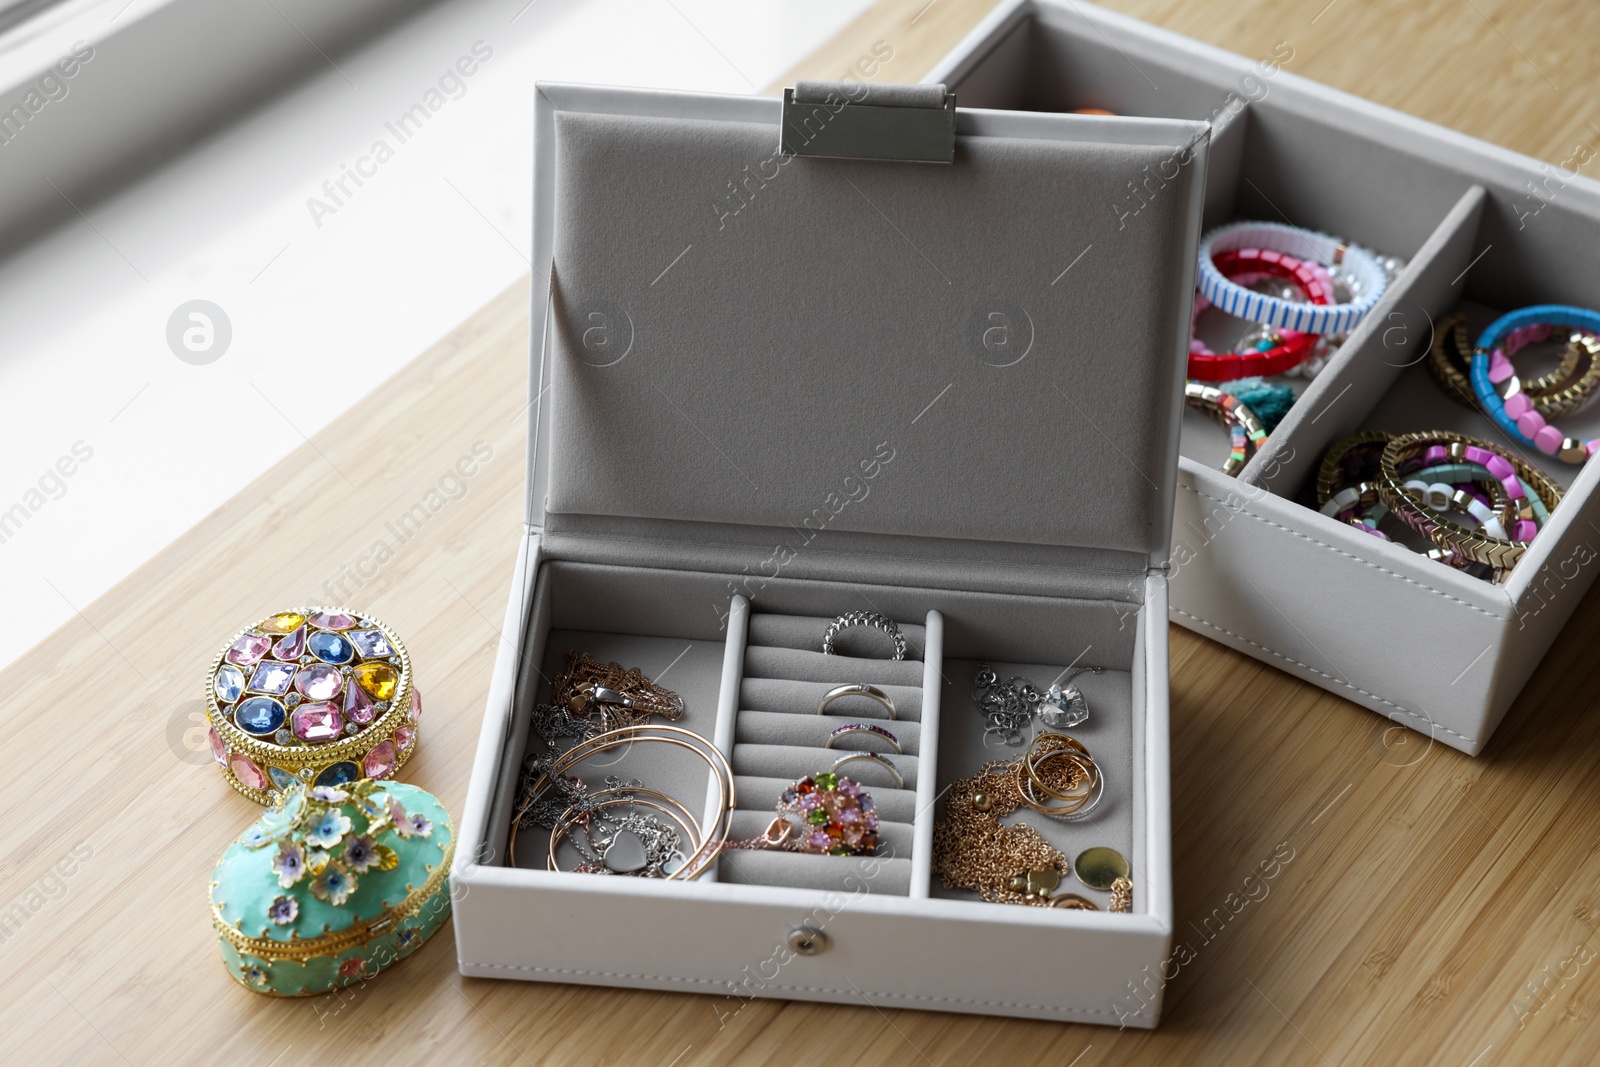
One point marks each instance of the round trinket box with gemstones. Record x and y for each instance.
(317, 696)
(331, 886)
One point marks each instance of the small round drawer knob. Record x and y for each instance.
(808, 941)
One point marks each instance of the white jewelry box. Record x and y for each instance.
(1427, 646)
(770, 389)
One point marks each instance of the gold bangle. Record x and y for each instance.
(856, 689)
(722, 774)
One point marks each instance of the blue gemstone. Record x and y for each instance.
(282, 778)
(260, 716)
(338, 774)
(228, 683)
(330, 648)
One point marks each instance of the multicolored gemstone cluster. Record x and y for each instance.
(310, 679)
(835, 816)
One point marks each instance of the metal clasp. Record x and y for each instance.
(849, 120)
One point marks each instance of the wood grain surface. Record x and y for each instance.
(1437, 909)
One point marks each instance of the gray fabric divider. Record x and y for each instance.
(777, 761)
(1108, 735)
(694, 604)
(804, 633)
(852, 874)
(801, 698)
(811, 731)
(763, 794)
(888, 94)
(742, 320)
(750, 823)
(763, 662)
(755, 555)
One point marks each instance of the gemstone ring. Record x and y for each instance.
(316, 696)
(825, 815)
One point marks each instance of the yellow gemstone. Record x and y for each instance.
(378, 679)
(284, 623)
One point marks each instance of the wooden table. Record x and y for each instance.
(1437, 908)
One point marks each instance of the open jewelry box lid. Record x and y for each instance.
(919, 364)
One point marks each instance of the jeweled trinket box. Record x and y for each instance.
(314, 696)
(332, 885)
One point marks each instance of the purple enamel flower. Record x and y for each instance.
(420, 826)
(289, 864)
(329, 794)
(360, 853)
(284, 910)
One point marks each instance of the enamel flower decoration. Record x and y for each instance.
(329, 794)
(419, 824)
(333, 884)
(351, 968)
(328, 829)
(284, 910)
(360, 853)
(253, 975)
(289, 864)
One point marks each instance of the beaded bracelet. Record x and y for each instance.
(1268, 238)
(1560, 392)
(1275, 352)
(1499, 390)
(1245, 431)
(1413, 509)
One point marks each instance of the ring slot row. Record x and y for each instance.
(779, 737)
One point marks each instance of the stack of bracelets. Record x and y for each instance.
(1476, 504)
(1303, 292)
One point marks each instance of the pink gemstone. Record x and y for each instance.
(380, 761)
(290, 646)
(358, 705)
(323, 620)
(219, 751)
(416, 703)
(248, 649)
(405, 735)
(319, 682)
(245, 769)
(316, 722)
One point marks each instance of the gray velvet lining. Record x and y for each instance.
(775, 761)
(811, 731)
(711, 267)
(804, 666)
(876, 874)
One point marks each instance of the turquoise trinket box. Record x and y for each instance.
(332, 885)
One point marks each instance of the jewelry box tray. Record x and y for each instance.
(1484, 230)
(890, 931)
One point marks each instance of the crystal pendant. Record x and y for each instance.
(1062, 709)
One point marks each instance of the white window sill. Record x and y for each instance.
(323, 305)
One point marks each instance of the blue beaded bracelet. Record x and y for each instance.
(1495, 381)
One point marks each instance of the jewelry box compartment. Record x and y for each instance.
(1252, 566)
(749, 679)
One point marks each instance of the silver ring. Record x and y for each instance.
(865, 728)
(856, 689)
(870, 757)
(864, 618)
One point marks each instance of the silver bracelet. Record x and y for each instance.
(864, 618)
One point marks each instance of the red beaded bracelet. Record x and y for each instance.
(1292, 347)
